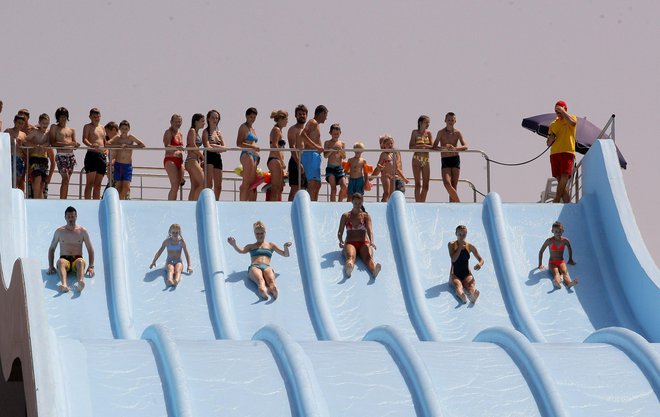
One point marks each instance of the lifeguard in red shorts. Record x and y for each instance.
(561, 139)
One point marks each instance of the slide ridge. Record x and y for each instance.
(635, 282)
(531, 366)
(636, 348)
(503, 264)
(310, 270)
(27, 336)
(211, 251)
(411, 364)
(304, 390)
(121, 317)
(171, 369)
(408, 275)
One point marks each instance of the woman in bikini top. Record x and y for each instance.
(249, 158)
(421, 138)
(261, 252)
(359, 237)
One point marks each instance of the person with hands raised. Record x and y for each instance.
(261, 252)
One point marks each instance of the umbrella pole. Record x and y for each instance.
(602, 132)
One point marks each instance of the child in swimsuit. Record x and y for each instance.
(261, 251)
(174, 265)
(358, 176)
(384, 168)
(334, 171)
(556, 264)
(460, 277)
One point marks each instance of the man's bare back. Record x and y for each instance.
(313, 133)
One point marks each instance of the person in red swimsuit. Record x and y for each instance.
(173, 162)
(557, 243)
(359, 237)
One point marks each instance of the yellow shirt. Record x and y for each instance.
(565, 134)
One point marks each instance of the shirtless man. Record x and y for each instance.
(292, 135)
(448, 139)
(334, 172)
(28, 127)
(310, 138)
(18, 137)
(61, 136)
(123, 158)
(38, 171)
(71, 238)
(96, 163)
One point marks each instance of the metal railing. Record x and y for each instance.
(149, 179)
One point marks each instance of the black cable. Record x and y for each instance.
(519, 163)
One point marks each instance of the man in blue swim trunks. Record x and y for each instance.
(311, 160)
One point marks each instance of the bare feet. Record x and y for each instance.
(462, 297)
(556, 284)
(263, 293)
(377, 269)
(273, 291)
(80, 286)
(571, 284)
(62, 288)
(349, 269)
(170, 283)
(473, 297)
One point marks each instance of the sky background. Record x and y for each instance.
(377, 65)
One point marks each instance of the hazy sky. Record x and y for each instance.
(377, 65)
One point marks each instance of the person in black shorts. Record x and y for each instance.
(292, 167)
(214, 143)
(450, 141)
(96, 164)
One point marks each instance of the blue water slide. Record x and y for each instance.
(633, 278)
(358, 303)
(250, 312)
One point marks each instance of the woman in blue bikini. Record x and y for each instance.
(174, 265)
(261, 251)
(247, 138)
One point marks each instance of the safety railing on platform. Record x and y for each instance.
(149, 181)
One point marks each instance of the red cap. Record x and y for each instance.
(562, 103)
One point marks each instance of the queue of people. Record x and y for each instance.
(109, 150)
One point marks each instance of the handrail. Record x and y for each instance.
(141, 186)
(140, 176)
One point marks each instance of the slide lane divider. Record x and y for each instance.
(111, 219)
(212, 253)
(493, 218)
(171, 368)
(310, 269)
(397, 220)
(531, 366)
(29, 337)
(637, 348)
(300, 378)
(633, 278)
(411, 364)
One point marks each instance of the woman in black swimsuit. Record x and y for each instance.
(460, 277)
